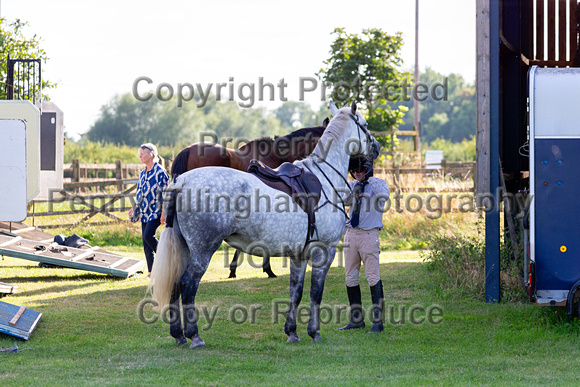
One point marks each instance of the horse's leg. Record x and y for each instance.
(175, 329)
(297, 271)
(189, 284)
(321, 260)
(267, 268)
(234, 264)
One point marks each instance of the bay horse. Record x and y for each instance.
(272, 152)
(271, 227)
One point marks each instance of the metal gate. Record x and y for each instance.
(24, 79)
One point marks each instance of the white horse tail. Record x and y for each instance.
(168, 263)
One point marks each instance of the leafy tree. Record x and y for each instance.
(451, 116)
(125, 120)
(14, 43)
(293, 115)
(366, 68)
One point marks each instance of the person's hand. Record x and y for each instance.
(358, 189)
(131, 211)
(162, 218)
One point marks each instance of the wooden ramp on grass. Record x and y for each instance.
(7, 289)
(18, 321)
(19, 244)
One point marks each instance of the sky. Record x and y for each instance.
(100, 49)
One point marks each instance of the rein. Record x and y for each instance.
(354, 117)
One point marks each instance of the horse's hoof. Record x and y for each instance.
(272, 275)
(197, 342)
(293, 338)
(317, 338)
(232, 275)
(181, 340)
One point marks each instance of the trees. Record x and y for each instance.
(125, 120)
(452, 118)
(366, 68)
(14, 43)
(294, 115)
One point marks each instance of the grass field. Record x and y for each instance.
(91, 333)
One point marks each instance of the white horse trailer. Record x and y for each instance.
(19, 158)
(554, 143)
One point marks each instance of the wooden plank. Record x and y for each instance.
(14, 240)
(530, 52)
(70, 264)
(84, 211)
(83, 255)
(573, 35)
(562, 29)
(26, 324)
(135, 268)
(482, 96)
(540, 32)
(397, 133)
(17, 316)
(7, 288)
(550, 63)
(100, 183)
(552, 30)
(26, 250)
(23, 230)
(119, 262)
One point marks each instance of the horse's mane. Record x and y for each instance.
(316, 131)
(179, 164)
(255, 142)
(332, 130)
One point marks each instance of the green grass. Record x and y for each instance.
(90, 334)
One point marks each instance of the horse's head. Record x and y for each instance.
(360, 141)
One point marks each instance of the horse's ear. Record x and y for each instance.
(333, 108)
(353, 107)
(325, 122)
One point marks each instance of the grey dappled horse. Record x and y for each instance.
(275, 227)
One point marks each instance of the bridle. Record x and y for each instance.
(360, 127)
(354, 117)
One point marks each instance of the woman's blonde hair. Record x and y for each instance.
(152, 150)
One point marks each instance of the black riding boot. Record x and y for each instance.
(378, 307)
(357, 318)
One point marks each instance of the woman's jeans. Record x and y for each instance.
(149, 240)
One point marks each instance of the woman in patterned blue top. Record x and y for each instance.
(149, 200)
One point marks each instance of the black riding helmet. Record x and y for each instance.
(359, 164)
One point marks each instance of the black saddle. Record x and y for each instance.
(301, 185)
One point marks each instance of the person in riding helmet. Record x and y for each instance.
(361, 241)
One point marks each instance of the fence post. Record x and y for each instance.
(397, 178)
(119, 175)
(76, 173)
(474, 174)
